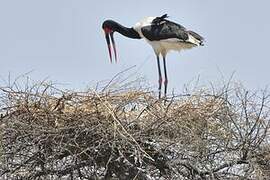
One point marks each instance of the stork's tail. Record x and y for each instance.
(195, 38)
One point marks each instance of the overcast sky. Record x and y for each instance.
(63, 40)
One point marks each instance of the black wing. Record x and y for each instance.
(159, 20)
(164, 29)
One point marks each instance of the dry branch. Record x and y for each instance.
(123, 133)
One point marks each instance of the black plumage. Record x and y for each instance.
(161, 29)
(159, 20)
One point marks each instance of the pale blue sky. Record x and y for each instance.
(63, 40)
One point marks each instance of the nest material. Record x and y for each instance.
(51, 134)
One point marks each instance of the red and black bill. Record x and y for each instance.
(109, 40)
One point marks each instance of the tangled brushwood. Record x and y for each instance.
(122, 133)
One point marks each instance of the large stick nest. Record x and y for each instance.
(122, 133)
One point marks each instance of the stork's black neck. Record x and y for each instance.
(125, 31)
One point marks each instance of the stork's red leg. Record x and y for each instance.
(159, 78)
(166, 79)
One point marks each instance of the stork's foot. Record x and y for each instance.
(162, 98)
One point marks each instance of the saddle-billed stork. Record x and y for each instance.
(163, 35)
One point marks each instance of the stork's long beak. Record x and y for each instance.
(109, 39)
(114, 47)
(109, 45)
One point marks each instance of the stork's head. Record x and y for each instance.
(109, 28)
